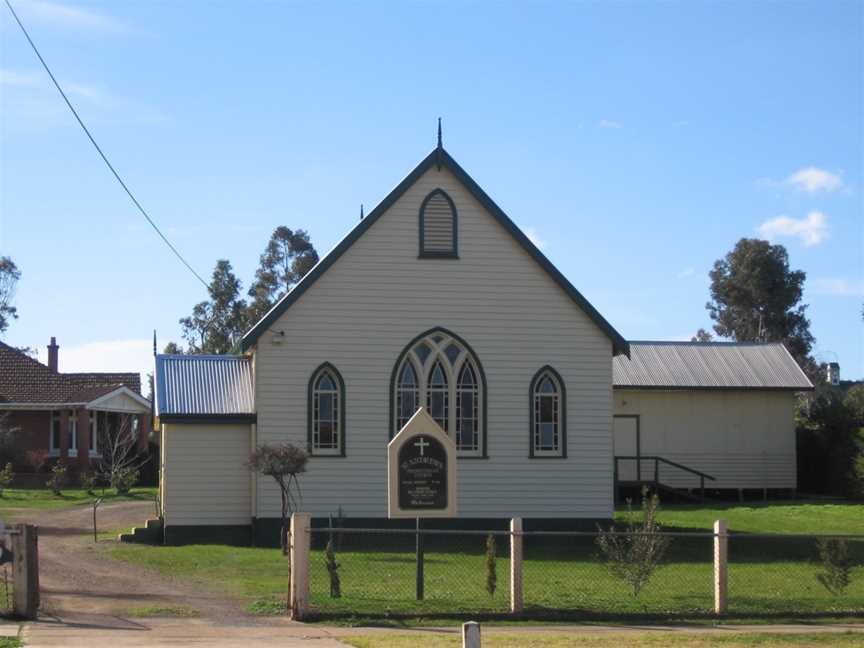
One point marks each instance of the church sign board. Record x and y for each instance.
(421, 470)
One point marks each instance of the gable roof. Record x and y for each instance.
(24, 380)
(438, 156)
(708, 365)
(190, 387)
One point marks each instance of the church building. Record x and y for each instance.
(435, 299)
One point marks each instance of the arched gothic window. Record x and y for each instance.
(326, 412)
(548, 414)
(439, 370)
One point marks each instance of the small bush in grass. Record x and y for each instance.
(634, 555)
(124, 479)
(491, 573)
(333, 571)
(834, 554)
(88, 482)
(36, 459)
(5, 478)
(58, 478)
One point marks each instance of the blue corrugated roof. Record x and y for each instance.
(204, 385)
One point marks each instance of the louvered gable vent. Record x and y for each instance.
(438, 225)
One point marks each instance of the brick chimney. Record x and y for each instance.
(53, 351)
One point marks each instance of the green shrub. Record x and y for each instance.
(333, 571)
(58, 478)
(5, 478)
(634, 555)
(88, 481)
(491, 573)
(834, 554)
(124, 479)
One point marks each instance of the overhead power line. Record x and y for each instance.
(99, 150)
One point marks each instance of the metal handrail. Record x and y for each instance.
(670, 462)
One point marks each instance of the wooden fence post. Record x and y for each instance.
(721, 567)
(516, 565)
(25, 570)
(301, 539)
(471, 635)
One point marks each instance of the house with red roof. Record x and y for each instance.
(67, 414)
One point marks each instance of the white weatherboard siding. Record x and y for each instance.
(745, 439)
(375, 299)
(204, 476)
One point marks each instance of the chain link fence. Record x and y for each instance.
(381, 573)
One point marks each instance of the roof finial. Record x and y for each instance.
(154, 343)
(361, 211)
(440, 146)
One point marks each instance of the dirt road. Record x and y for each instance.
(86, 596)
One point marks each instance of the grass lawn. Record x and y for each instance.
(44, 499)
(10, 642)
(642, 640)
(377, 573)
(773, 517)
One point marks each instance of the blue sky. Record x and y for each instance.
(634, 142)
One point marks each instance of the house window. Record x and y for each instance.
(548, 432)
(326, 412)
(72, 429)
(439, 370)
(94, 433)
(54, 436)
(438, 226)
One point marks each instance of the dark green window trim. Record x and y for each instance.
(563, 399)
(391, 423)
(325, 366)
(450, 254)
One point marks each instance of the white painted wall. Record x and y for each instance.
(204, 476)
(746, 439)
(375, 299)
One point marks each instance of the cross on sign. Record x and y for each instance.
(422, 444)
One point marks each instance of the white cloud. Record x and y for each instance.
(107, 355)
(15, 79)
(812, 229)
(687, 272)
(836, 287)
(67, 16)
(37, 103)
(608, 123)
(532, 235)
(813, 180)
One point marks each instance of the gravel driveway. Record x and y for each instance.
(86, 596)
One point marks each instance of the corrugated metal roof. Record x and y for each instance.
(200, 385)
(708, 365)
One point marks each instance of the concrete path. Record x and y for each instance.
(89, 631)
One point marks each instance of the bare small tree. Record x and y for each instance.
(283, 462)
(120, 462)
(635, 554)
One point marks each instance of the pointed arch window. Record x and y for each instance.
(407, 394)
(440, 371)
(438, 231)
(548, 414)
(467, 411)
(438, 396)
(326, 412)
